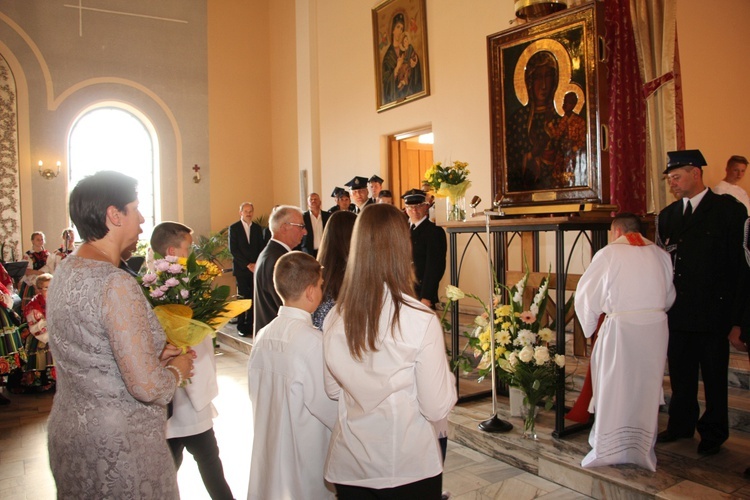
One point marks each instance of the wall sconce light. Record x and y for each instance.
(48, 173)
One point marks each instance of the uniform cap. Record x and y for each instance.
(357, 183)
(688, 157)
(414, 197)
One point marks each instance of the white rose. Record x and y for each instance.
(541, 355)
(454, 293)
(481, 321)
(513, 359)
(560, 360)
(526, 354)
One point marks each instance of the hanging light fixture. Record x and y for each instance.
(532, 10)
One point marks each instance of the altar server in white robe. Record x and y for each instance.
(630, 281)
(292, 415)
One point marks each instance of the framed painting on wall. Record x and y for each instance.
(400, 42)
(549, 110)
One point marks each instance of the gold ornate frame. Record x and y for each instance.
(410, 80)
(543, 154)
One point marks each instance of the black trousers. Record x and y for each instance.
(245, 290)
(426, 489)
(205, 451)
(689, 354)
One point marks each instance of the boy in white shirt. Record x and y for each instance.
(190, 424)
(292, 415)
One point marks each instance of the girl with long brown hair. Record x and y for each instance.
(386, 365)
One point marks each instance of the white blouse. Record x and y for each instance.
(387, 402)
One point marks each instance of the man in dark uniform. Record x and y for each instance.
(343, 202)
(245, 244)
(374, 186)
(703, 233)
(358, 192)
(428, 248)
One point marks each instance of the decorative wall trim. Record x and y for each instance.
(10, 202)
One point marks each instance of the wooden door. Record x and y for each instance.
(409, 161)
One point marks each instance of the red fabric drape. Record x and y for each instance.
(627, 120)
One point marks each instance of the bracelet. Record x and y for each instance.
(177, 372)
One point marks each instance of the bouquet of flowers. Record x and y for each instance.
(450, 182)
(185, 301)
(523, 353)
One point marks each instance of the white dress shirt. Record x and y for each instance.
(192, 410)
(292, 415)
(384, 435)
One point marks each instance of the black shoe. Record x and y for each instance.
(245, 334)
(669, 436)
(707, 449)
(747, 472)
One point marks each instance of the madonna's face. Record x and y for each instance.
(543, 83)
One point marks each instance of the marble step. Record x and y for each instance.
(681, 472)
(739, 395)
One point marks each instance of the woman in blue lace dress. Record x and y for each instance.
(115, 373)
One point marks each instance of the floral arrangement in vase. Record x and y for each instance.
(185, 301)
(451, 182)
(525, 355)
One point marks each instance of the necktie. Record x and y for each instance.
(686, 215)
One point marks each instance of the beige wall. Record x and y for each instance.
(239, 109)
(66, 62)
(713, 52)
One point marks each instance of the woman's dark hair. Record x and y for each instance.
(397, 19)
(91, 198)
(334, 251)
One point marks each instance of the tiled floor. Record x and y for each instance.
(25, 474)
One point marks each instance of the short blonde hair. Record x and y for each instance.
(42, 278)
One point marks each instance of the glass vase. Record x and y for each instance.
(455, 208)
(529, 414)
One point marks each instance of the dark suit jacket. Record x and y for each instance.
(266, 301)
(428, 251)
(709, 263)
(307, 240)
(244, 252)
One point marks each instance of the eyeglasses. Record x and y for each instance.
(295, 224)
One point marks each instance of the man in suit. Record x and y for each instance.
(703, 232)
(245, 245)
(428, 248)
(315, 221)
(287, 229)
(358, 192)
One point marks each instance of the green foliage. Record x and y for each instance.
(214, 248)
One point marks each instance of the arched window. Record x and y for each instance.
(115, 137)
